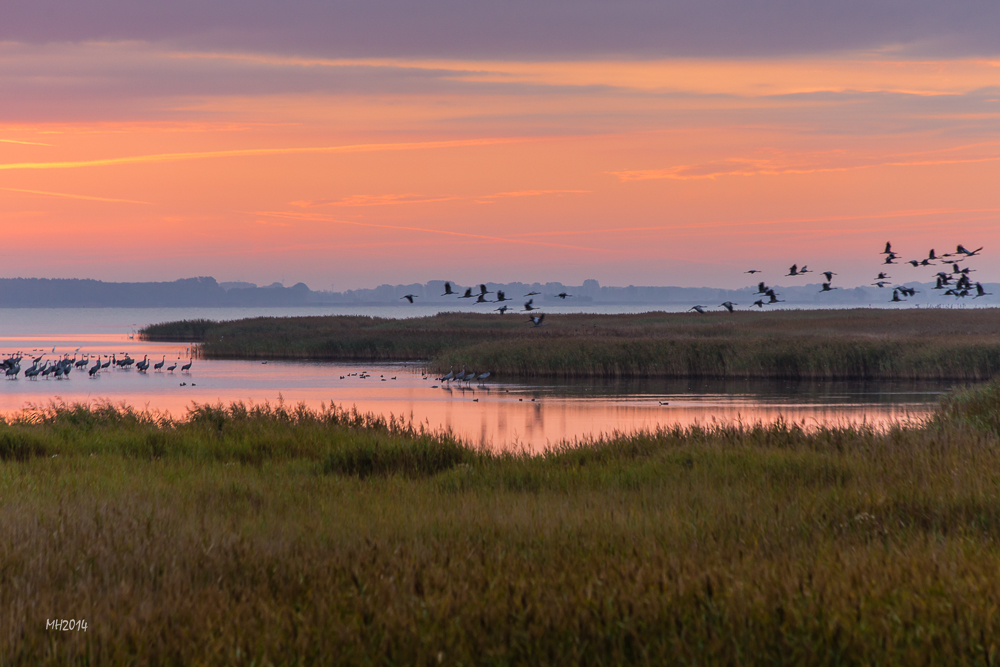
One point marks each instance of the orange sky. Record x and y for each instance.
(130, 160)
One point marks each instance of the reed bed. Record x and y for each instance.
(252, 535)
(858, 344)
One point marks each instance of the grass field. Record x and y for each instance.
(859, 344)
(272, 535)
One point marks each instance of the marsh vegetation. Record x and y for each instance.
(276, 535)
(858, 344)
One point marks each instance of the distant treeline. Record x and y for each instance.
(795, 291)
(189, 292)
(207, 292)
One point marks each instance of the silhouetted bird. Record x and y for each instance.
(752, 271)
(829, 276)
(537, 319)
(528, 305)
(501, 309)
(761, 288)
(826, 288)
(447, 290)
(961, 250)
(793, 271)
(501, 297)
(482, 299)
(728, 305)
(409, 297)
(888, 249)
(980, 291)
(895, 296)
(758, 303)
(882, 276)
(700, 309)
(563, 295)
(532, 294)
(483, 290)
(467, 295)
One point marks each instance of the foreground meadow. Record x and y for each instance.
(856, 344)
(257, 536)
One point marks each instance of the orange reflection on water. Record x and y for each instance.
(528, 416)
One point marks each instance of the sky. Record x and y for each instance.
(348, 144)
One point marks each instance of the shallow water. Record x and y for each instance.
(502, 413)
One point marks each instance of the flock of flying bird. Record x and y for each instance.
(61, 368)
(956, 282)
(960, 288)
(529, 305)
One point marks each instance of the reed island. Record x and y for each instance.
(849, 344)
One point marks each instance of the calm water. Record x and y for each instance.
(503, 414)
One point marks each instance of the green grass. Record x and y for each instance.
(859, 344)
(279, 535)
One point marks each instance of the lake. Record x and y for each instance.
(501, 413)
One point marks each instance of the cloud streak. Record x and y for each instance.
(373, 200)
(410, 198)
(490, 199)
(254, 152)
(425, 230)
(756, 167)
(26, 143)
(767, 223)
(549, 28)
(65, 195)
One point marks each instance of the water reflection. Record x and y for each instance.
(517, 414)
